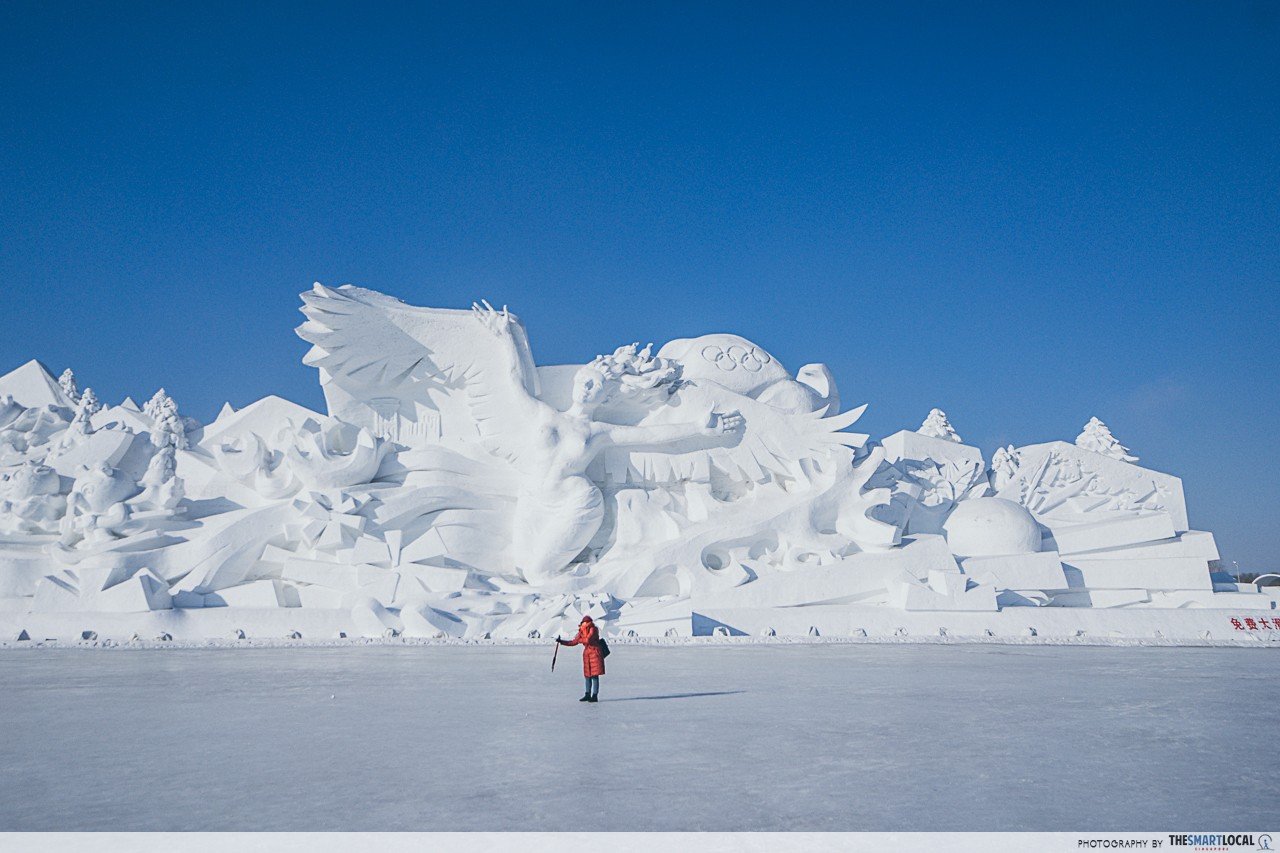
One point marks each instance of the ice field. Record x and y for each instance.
(761, 737)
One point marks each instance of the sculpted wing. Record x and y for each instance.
(373, 340)
(773, 443)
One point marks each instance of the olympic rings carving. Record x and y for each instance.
(750, 359)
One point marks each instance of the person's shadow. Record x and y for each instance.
(673, 696)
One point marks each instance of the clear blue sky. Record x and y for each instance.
(1025, 213)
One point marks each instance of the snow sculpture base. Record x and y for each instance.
(456, 491)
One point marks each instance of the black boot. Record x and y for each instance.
(586, 698)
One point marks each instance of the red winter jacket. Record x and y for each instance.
(589, 638)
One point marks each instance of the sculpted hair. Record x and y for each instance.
(634, 374)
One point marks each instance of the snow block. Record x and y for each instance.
(1101, 598)
(143, 591)
(58, 592)
(260, 593)
(186, 599)
(371, 619)
(704, 626)
(1193, 543)
(382, 588)
(438, 579)
(360, 579)
(63, 593)
(1021, 598)
(368, 549)
(653, 619)
(1177, 573)
(1108, 476)
(21, 573)
(1073, 537)
(950, 584)
(907, 444)
(332, 575)
(1042, 570)
(856, 577)
(423, 620)
(913, 595)
(1215, 600)
(320, 597)
(33, 386)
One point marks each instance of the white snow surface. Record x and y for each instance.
(750, 736)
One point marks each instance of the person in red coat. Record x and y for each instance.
(592, 658)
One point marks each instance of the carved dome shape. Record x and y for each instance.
(991, 527)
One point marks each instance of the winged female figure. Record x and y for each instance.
(559, 508)
(371, 348)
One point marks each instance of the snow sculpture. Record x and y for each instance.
(31, 500)
(728, 360)
(1098, 438)
(82, 421)
(67, 382)
(456, 489)
(333, 455)
(96, 508)
(169, 427)
(992, 527)
(87, 406)
(936, 425)
(161, 486)
(28, 433)
(247, 461)
(1004, 465)
(926, 477)
(628, 409)
(9, 410)
(32, 386)
(310, 456)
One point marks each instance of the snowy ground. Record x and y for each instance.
(822, 737)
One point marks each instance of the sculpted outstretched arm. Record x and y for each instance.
(660, 435)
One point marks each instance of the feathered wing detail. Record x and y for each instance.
(773, 444)
(379, 345)
(368, 336)
(500, 414)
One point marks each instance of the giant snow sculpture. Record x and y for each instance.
(457, 489)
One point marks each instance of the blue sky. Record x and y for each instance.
(1024, 213)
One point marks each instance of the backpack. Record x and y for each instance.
(604, 648)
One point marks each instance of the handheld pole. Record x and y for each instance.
(555, 655)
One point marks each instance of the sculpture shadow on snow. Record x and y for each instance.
(675, 696)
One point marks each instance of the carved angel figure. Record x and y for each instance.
(559, 508)
(465, 381)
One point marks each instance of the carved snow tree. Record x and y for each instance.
(67, 382)
(1097, 437)
(936, 425)
(170, 428)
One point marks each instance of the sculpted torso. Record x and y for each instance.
(561, 446)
